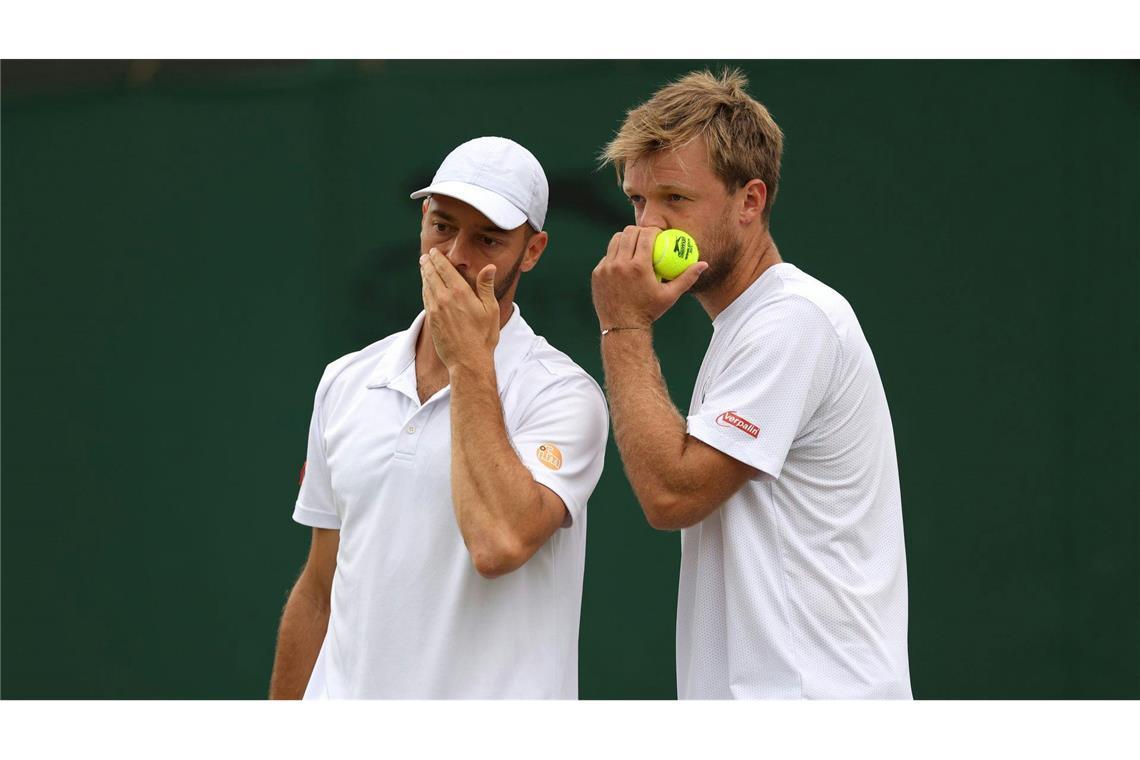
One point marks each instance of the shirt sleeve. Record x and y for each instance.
(776, 372)
(562, 440)
(315, 505)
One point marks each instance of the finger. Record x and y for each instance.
(432, 283)
(444, 268)
(644, 250)
(428, 292)
(676, 288)
(486, 288)
(628, 243)
(612, 248)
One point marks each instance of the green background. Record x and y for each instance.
(183, 255)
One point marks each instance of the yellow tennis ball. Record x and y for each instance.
(674, 251)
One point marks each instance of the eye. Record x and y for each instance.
(675, 198)
(636, 200)
(490, 242)
(440, 227)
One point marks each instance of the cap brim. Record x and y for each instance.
(502, 213)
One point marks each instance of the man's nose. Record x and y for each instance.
(457, 251)
(652, 216)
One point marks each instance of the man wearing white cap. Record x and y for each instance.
(447, 474)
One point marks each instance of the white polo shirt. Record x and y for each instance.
(796, 586)
(411, 618)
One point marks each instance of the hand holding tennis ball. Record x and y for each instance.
(644, 272)
(674, 251)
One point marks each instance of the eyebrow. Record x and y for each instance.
(666, 188)
(485, 228)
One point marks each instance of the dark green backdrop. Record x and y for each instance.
(182, 257)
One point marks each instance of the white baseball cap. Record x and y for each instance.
(499, 177)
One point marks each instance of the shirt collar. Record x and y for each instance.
(516, 339)
(399, 355)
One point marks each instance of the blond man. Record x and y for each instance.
(783, 478)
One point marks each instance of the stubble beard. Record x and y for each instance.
(502, 288)
(722, 257)
(504, 284)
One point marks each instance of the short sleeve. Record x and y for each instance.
(315, 506)
(562, 440)
(774, 376)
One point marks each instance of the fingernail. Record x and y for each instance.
(423, 259)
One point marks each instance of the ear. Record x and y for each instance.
(754, 197)
(534, 251)
(423, 218)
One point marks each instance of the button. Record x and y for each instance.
(411, 429)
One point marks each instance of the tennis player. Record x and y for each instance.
(447, 474)
(782, 479)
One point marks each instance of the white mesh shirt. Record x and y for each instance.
(796, 586)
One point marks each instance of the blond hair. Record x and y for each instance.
(744, 142)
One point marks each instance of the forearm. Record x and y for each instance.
(496, 500)
(299, 638)
(650, 433)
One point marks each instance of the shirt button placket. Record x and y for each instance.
(412, 431)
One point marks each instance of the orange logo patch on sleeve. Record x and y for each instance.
(550, 456)
(301, 477)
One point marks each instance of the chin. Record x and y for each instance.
(712, 277)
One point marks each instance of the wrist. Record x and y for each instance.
(624, 322)
(482, 368)
(648, 329)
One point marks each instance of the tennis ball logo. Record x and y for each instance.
(674, 251)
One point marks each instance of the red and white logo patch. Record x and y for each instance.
(734, 420)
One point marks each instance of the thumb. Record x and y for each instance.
(486, 284)
(686, 279)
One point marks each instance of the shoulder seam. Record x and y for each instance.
(348, 360)
(833, 332)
